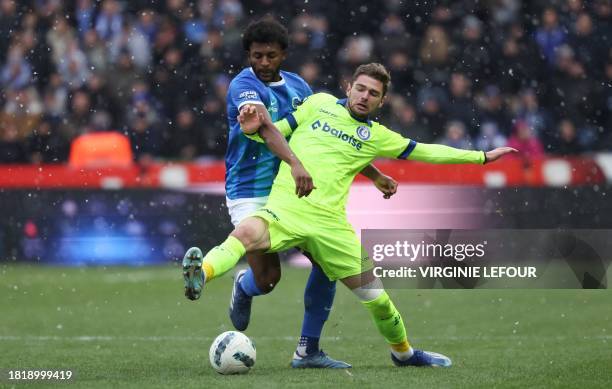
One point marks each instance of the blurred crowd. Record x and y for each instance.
(535, 75)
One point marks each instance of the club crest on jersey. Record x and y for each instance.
(363, 132)
(295, 102)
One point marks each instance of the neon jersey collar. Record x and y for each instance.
(367, 120)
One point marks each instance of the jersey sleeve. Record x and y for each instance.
(433, 153)
(307, 89)
(290, 122)
(244, 92)
(393, 145)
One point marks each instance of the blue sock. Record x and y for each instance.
(318, 299)
(248, 285)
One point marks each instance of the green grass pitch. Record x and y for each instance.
(132, 327)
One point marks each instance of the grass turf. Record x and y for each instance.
(132, 327)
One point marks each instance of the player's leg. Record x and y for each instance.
(260, 278)
(251, 235)
(262, 274)
(388, 320)
(318, 299)
(341, 257)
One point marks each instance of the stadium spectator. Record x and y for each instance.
(12, 150)
(84, 15)
(79, 114)
(17, 72)
(59, 37)
(55, 97)
(476, 62)
(490, 136)
(550, 35)
(473, 55)
(9, 22)
(529, 110)
(492, 108)
(583, 41)
(524, 140)
(434, 57)
(404, 120)
(109, 21)
(431, 102)
(182, 145)
(46, 144)
(95, 52)
(567, 139)
(456, 136)
(145, 130)
(517, 61)
(73, 66)
(461, 105)
(132, 41)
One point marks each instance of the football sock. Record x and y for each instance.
(222, 258)
(248, 284)
(402, 351)
(390, 324)
(307, 345)
(318, 299)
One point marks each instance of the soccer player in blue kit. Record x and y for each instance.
(250, 170)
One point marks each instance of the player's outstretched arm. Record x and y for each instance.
(387, 185)
(253, 118)
(434, 153)
(495, 154)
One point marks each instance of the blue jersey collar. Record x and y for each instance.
(271, 83)
(367, 120)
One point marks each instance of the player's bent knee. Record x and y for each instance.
(252, 233)
(267, 280)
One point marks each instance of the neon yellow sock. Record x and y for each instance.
(388, 321)
(222, 258)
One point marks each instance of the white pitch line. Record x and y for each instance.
(94, 338)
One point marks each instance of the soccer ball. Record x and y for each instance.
(232, 353)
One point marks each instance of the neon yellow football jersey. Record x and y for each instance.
(334, 146)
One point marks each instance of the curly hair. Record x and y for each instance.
(265, 30)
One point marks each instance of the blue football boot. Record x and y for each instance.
(423, 358)
(318, 360)
(240, 304)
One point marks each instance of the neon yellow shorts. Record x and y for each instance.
(330, 239)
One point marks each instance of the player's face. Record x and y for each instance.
(365, 95)
(266, 60)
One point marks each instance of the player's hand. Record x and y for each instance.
(387, 185)
(497, 153)
(250, 120)
(303, 180)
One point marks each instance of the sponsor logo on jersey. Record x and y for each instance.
(248, 95)
(339, 134)
(327, 112)
(363, 132)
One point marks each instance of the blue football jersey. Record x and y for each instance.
(250, 167)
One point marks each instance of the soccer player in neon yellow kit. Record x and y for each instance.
(335, 140)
